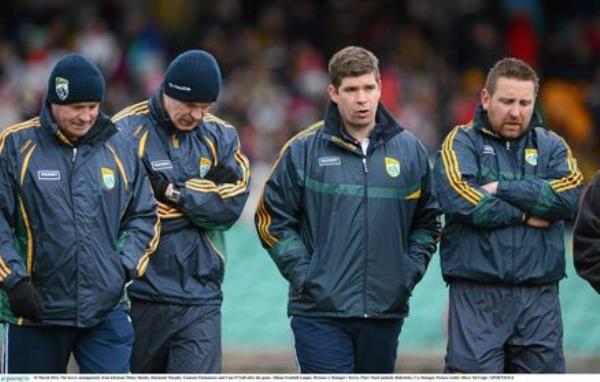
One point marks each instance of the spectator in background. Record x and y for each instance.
(77, 221)
(349, 219)
(200, 179)
(506, 185)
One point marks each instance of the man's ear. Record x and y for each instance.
(485, 97)
(333, 93)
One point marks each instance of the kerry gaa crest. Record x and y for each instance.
(531, 156)
(205, 164)
(61, 85)
(108, 177)
(392, 167)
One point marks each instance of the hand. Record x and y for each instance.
(159, 187)
(536, 222)
(24, 302)
(221, 174)
(491, 187)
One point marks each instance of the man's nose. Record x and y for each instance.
(197, 113)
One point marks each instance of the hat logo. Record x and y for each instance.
(108, 177)
(392, 167)
(183, 88)
(62, 88)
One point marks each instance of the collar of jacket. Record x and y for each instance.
(386, 127)
(160, 115)
(102, 130)
(481, 123)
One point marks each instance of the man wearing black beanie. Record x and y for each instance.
(200, 179)
(77, 221)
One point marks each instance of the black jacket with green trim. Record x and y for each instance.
(352, 234)
(78, 219)
(189, 264)
(485, 238)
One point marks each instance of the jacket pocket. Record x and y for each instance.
(304, 288)
(214, 268)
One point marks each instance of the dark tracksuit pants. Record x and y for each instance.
(104, 348)
(172, 338)
(345, 345)
(504, 329)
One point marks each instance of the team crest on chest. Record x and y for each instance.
(205, 165)
(531, 156)
(108, 177)
(392, 167)
(61, 85)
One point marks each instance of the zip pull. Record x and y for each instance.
(74, 154)
(507, 145)
(365, 166)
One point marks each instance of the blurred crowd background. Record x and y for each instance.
(434, 57)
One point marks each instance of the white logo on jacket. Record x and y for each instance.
(330, 161)
(50, 175)
(161, 165)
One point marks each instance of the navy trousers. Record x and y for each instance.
(103, 348)
(173, 338)
(345, 345)
(504, 329)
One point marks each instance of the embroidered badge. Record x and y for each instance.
(392, 167)
(61, 85)
(108, 177)
(531, 156)
(205, 165)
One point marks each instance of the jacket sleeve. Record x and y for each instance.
(218, 206)
(586, 235)
(554, 198)
(425, 229)
(458, 191)
(12, 267)
(277, 221)
(140, 226)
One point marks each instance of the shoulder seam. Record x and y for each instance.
(135, 109)
(213, 118)
(31, 123)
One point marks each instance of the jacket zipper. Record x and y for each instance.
(366, 171)
(73, 158)
(513, 229)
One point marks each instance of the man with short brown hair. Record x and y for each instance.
(349, 218)
(506, 185)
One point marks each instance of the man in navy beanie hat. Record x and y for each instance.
(77, 222)
(200, 179)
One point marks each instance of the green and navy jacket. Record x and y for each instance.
(485, 238)
(189, 264)
(352, 233)
(78, 220)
